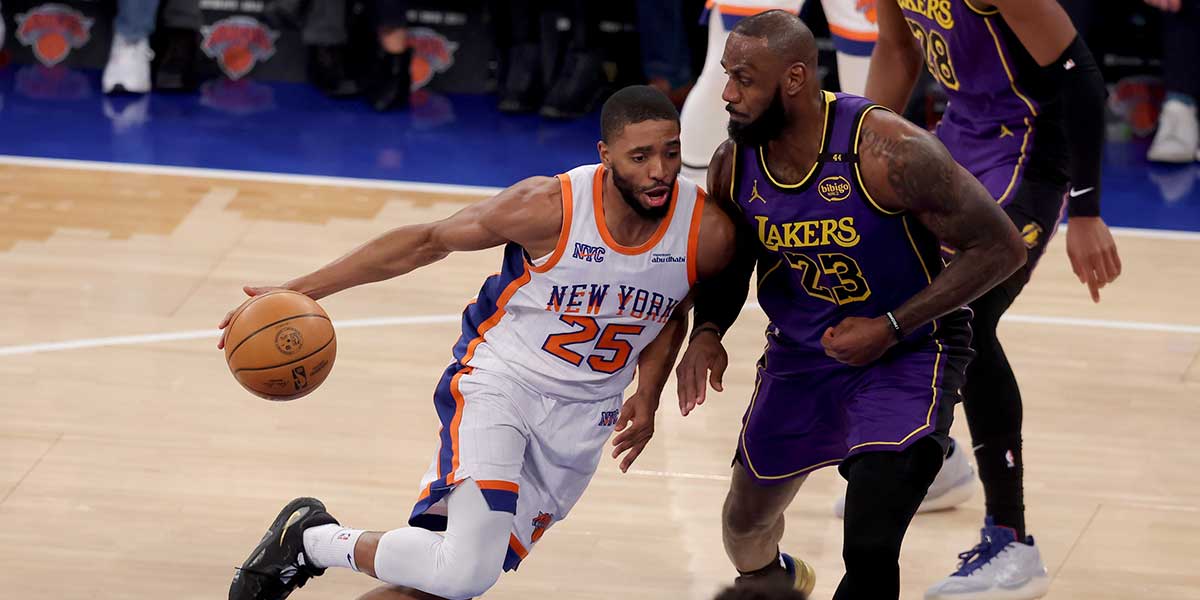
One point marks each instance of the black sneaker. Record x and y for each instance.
(278, 565)
(175, 68)
(327, 71)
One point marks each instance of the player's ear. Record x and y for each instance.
(796, 78)
(602, 148)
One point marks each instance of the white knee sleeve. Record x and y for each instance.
(464, 563)
(852, 72)
(703, 121)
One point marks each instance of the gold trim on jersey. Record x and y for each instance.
(746, 450)
(762, 157)
(928, 415)
(1012, 183)
(858, 170)
(733, 176)
(980, 11)
(1004, 63)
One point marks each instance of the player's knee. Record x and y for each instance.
(472, 580)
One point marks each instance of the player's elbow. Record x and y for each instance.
(1012, 252)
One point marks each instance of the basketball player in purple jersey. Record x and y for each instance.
(841, 205)
(1026, 117)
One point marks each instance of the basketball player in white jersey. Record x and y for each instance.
(598, 266)
(854, 31)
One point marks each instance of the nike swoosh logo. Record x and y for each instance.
(1074, 193)
(296, 516)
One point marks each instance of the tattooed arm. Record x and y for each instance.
(906, 169)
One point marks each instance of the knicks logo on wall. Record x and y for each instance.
(834, 189)
(432, 54)
(238, 44)
(52, 30)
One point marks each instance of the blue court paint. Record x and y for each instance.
(292, 128)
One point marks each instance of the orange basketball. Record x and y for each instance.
(280, 345)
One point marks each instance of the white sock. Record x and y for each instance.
(331, 546)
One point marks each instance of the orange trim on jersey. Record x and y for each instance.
(505, 296)
(516, 546)
(694, 237)
(498, 484)
(568, 206)
(459, 403)
(850, 34)
(602, 225)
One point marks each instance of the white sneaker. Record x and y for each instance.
(999, 568)
(954, 484)
(1178, 134)
(128, 68)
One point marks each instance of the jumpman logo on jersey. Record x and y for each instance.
(1005, 132)
(754, 195)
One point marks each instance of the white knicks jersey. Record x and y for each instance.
(572, 325)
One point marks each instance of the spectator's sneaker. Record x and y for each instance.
(128, 68)
(1178, 134)
(579, 86)
(327, 71)
(175, 69)
(521, 90)
(278, 564)
(954, 484)
(999, 568)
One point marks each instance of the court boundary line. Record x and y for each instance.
(196, 334)
(384, 184)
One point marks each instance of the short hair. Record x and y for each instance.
(785, 33)
(753, 591)
(634, 104)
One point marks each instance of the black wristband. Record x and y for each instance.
(899, 333)
(1081, 95)
(705, 327)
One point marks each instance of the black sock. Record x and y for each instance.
(1001, 470)
(776, 564)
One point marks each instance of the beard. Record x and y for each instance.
(763, 129)
(629, 193)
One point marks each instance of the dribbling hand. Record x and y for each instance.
(224, 324)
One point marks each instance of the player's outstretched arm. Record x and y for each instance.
(726, 265)
(529, 213)
(1069, 70)
(896, 60)
(907, 170)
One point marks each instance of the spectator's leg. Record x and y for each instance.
(521, 89)
(578, 86)
(390, 82)
(666, 57)
(1178, 137)
(128, 68)
(181, 21)
(324, 34)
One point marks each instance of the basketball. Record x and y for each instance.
(280, 345)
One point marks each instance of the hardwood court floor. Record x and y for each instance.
(139, 469)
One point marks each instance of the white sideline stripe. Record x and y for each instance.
(378, 184)
(383, 184)
(196, 334)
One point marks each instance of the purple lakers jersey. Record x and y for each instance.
(827, 250)
(999, 104)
